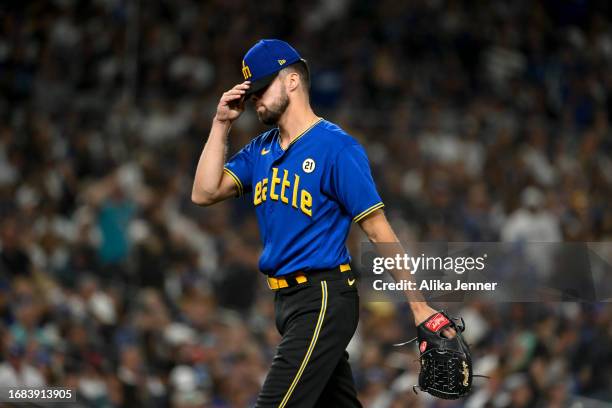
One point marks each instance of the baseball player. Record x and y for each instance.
(308, 181)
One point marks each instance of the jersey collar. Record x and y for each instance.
(298, 136)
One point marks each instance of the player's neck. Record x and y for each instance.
(296, 119)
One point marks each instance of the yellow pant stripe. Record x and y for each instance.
(367, 212)
(311, 347)
(236, 180)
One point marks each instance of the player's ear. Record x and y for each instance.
(292, 81)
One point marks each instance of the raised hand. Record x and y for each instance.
(231, 104)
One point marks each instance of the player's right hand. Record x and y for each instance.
(231, 104)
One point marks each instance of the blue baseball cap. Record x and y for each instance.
(262, 62)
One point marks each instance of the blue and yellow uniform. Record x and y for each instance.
(305, 196)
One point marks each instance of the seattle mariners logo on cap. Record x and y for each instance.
(246, 71)
(263, 61)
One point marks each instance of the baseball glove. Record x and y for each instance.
(446, 364)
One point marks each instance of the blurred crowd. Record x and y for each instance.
(483, 121)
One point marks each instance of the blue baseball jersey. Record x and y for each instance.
(305, 196)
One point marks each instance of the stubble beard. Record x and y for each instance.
(270, 116)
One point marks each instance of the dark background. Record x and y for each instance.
(483, 121)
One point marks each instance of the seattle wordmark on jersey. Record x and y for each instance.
(305, 196)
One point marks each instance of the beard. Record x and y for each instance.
(271, 115)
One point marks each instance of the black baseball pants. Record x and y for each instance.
(317, 319)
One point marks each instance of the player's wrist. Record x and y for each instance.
(421, 311)
(223, 122)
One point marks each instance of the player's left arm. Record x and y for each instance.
(380, 233)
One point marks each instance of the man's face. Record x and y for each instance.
(271, 102)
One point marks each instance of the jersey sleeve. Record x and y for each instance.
(240, 169)
(352, 183)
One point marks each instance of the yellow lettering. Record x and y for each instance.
(257, 195)
(267, 187)
(246, 72)
(273, 183)
(296, 185)
(264, 189)
(306, 203)
(285, 184)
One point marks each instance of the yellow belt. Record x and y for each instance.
(300, 277)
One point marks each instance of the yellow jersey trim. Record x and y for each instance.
(311, 347)
(298, 136)
(236, 180)
(367, 212)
